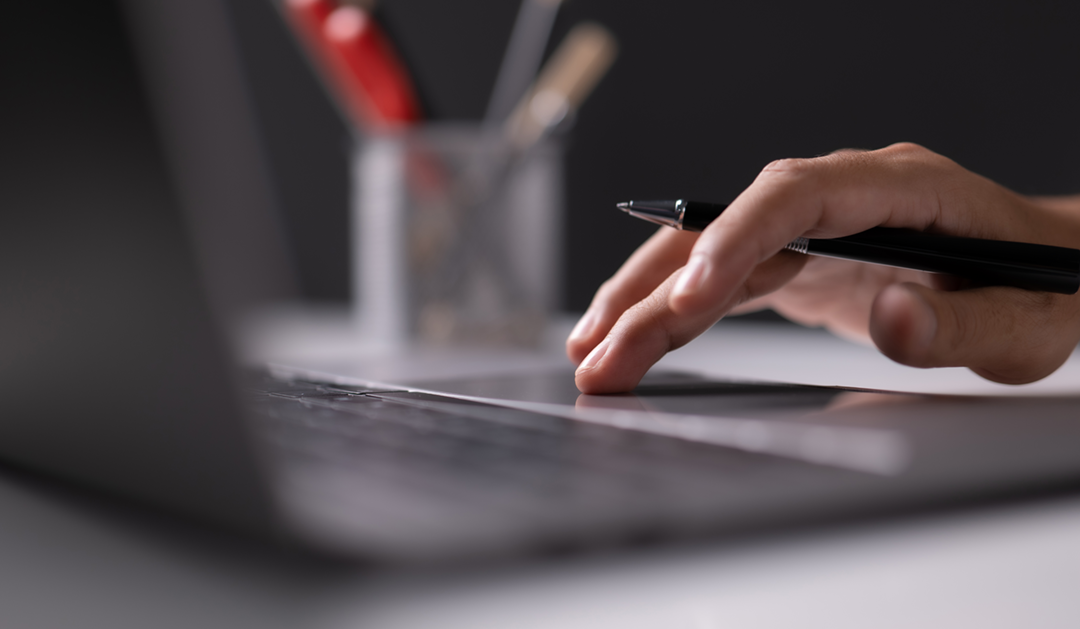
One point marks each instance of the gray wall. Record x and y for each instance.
(703, 95)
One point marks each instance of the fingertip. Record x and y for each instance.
(903, 325)
(617, 364)
(599, 383)
(581, 339)
(593, 376)
(590, 385)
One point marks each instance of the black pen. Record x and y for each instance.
(984, 262)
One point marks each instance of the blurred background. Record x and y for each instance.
(702, 96)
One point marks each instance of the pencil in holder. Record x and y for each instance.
(457, 237)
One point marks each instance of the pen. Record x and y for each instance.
(986, 262)
(522, 59)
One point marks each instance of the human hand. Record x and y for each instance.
(678, 284)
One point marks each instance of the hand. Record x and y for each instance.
(678, 284)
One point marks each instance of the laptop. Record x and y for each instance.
(138, 221)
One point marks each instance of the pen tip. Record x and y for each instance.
(624, 206)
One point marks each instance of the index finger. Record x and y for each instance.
(646, 269)
(903, 185)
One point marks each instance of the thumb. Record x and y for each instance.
(1003, 334)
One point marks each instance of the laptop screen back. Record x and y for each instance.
(113, 370)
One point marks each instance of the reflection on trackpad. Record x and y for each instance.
(780, 419)
(662, 392)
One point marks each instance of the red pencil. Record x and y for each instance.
(386, 95)
(308, 18)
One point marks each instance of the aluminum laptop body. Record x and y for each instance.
(137, 219)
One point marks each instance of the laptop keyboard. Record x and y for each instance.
(530, 464)
(500, 441)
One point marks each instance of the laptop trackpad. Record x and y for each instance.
(669, 392)
(876, 431)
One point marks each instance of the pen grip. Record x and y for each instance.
(697, 215)
(988, 262)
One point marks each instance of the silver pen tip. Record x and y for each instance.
(624, 206)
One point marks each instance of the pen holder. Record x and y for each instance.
(457, 239)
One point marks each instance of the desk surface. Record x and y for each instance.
(70, 560)
(734, 348)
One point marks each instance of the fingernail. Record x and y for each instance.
(593, 359)
(692, 276)
(584, 326)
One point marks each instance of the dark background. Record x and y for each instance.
(702, 96)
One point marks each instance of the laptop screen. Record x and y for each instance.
(114, 371)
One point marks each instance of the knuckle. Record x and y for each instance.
(909, 147)
(793, 176)
(917, 154)
(788, 166)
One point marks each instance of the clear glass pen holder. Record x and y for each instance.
(456, 238)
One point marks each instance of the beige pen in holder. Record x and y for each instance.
(456, 237)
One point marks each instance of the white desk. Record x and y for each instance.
(734, 349)
(68, 565)
(67, 562)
